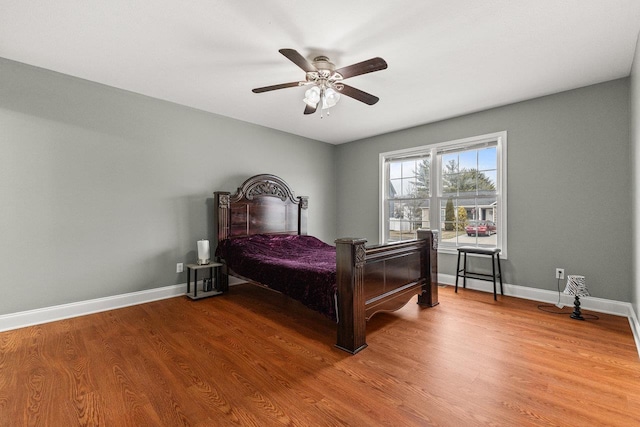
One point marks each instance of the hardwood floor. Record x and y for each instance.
(254, 357)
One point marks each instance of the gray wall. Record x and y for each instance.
(103, 191)
(635, 146)
(569, 192)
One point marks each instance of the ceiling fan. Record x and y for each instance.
(326, 82)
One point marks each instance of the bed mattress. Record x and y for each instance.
(301, 267)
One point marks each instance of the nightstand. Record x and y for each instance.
(214, 276)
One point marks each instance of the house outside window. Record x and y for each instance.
(464, 181)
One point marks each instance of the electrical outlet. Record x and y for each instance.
(179, 267)
(559, 273)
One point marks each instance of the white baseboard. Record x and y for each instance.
(599, 305)
(81, 308)
(635, 326)
(65, 311)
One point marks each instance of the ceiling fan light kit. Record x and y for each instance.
(326, 82)
(316, 94)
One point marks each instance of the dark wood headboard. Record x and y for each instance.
(264, 204)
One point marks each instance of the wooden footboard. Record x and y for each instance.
(381, 278)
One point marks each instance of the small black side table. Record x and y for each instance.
(214, 276)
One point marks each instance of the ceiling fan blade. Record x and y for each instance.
(364, 67)
(309, 109)
(357, 94)
(275, 87)
(293, 56)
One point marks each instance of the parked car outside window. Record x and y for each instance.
(481, 228)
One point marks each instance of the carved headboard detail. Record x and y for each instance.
(264, 204)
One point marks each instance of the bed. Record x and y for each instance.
(349, 282)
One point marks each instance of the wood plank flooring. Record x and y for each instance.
(256, 358)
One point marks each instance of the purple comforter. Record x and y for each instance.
(302, 267)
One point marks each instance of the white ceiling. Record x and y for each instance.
(446, 58)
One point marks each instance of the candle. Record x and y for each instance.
(203, 252)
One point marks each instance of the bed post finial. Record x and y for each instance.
(350, 261)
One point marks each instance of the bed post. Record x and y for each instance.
(223, 214)
(303, 204)
(221, 203)
(429, 295)
(350, 260)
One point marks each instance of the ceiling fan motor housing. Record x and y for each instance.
(325, 70)
(323, 63)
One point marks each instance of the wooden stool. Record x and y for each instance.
(493, 253)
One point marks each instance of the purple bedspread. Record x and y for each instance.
(301, 267)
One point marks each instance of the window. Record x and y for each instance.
(464, 181)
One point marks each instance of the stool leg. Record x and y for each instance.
(493, 269)
(464, 275)
(457, 271)
(500, 273)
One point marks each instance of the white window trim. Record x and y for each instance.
(501, 195)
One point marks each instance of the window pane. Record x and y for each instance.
(470, 221)
(470, 172)
(395, 210)
(422, 220)
(395, 188)
(400, 229)
(468, 160)
(405, 217)
(395, 170)
(454, 216)
(399, 211)
(412, 210)
(408, 188)
(491, 177)
(408, 168)
(422, 178)
(396, 236)
(450, 184)
(450, 163)
(487, 159)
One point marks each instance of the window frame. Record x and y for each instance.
(435, 194)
